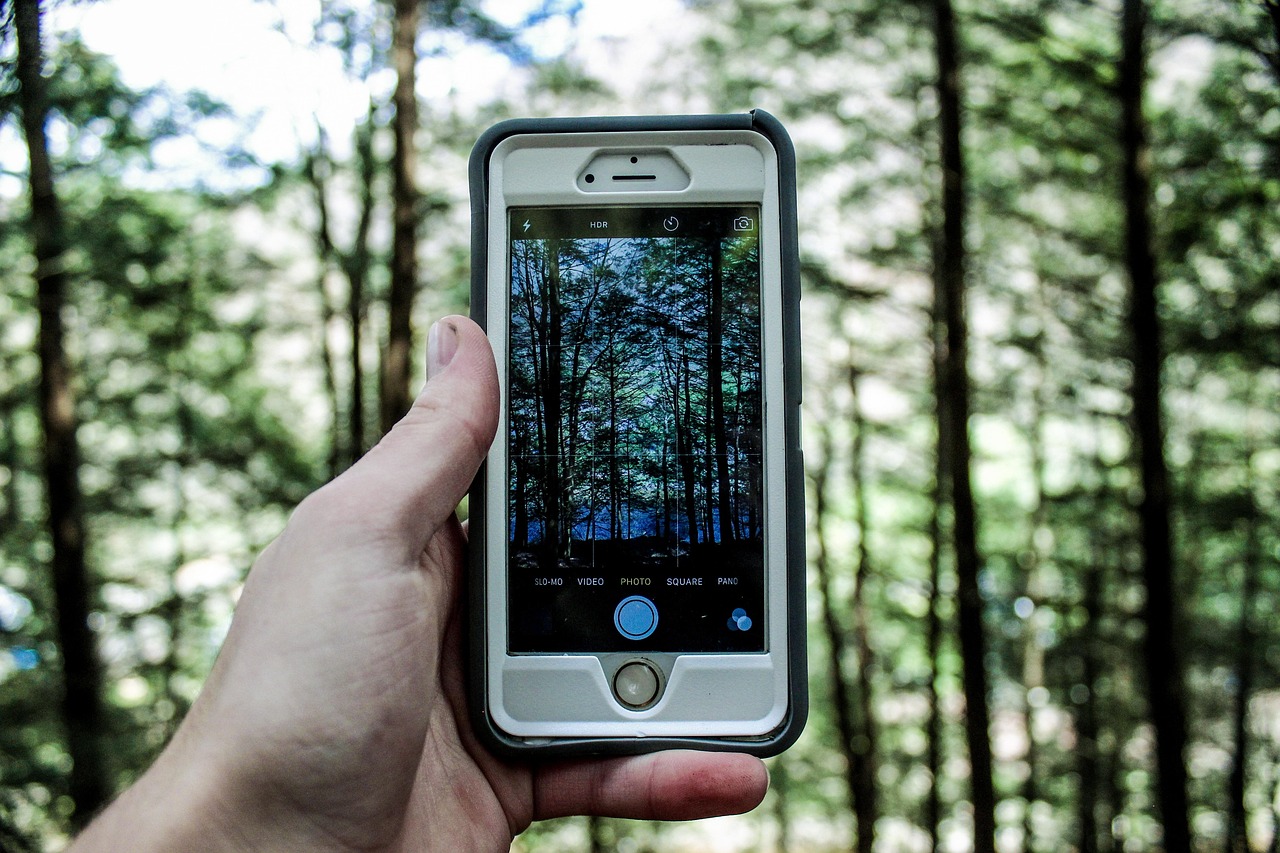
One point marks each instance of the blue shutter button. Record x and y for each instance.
(635, 617)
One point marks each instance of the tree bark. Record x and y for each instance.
(938, 537)
(1237, 829)
(1273, 798)
(531, 308)
(715, 387)
(615, 470)
(356, 265)
(834, 632)
(1162, 649)
(174, 604)
(1272, 8)
(596, 840)
(934, 629)
(1033, 652)
(552, 374)
(779, 784)
(1087, 717)
(9, 461)
(404, 239)
(933, 645)
(520, 491)
(664, 522)
(317, 169)
(82, 706)
(707, 457)
(576, 326)
(866, 799)
(954, 428)
(684, 447)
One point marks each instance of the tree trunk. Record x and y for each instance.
(939, 496)
(1163, 652)
(596, 841)
(954, 428)
(1102, 768)
(356, 264)
(664, 521)
(834, 632)
(1237, 829)
(551, 375)
(1094, 800)
(1087, 717)
(707, 457)
(9, 461)
(934, 630)
(1033, 652)
(933, 641)
(615, 471)
(866, 799)
(520, 493)
(317, 168)
(1273, 798)
(532, 306)
(715, 387)
(174, 604)
(82, 708)
(684, 449)
(1272, 8)
(779, 784)
(404, 239)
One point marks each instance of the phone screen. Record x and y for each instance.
(635, 467)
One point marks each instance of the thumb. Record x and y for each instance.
(414, 478)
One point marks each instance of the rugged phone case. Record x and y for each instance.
(791, 726)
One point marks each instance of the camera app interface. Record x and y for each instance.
(634, 430)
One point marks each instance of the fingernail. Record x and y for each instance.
(442, 344)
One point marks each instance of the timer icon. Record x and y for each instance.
(671, 223)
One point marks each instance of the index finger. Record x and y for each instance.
(674, 785)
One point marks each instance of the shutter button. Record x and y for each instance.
(635, 617)
(636, 685)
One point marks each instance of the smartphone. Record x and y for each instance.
(636, 577)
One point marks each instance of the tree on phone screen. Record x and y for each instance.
(635, 382)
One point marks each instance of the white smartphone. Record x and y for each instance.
(637, 553)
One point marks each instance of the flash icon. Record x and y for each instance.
(526, 226)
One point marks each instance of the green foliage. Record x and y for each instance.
(195, 325)
(190, 457)
(1048, 305)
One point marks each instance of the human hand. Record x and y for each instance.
(335, 719)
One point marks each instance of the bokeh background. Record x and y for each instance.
(1041, 262)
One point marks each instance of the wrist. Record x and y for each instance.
(185, 801)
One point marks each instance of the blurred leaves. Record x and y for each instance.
(196, 325)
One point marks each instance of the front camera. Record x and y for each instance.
(591, 179)
(635, 159)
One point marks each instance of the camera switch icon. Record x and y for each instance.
(739, 620)
(743, 223)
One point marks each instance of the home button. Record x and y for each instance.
(636, 685)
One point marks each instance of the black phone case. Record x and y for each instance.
(474, 584)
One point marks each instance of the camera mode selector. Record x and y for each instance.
(635, 617)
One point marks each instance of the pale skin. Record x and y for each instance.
(334, 718)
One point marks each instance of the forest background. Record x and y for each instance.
(1054, 223)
